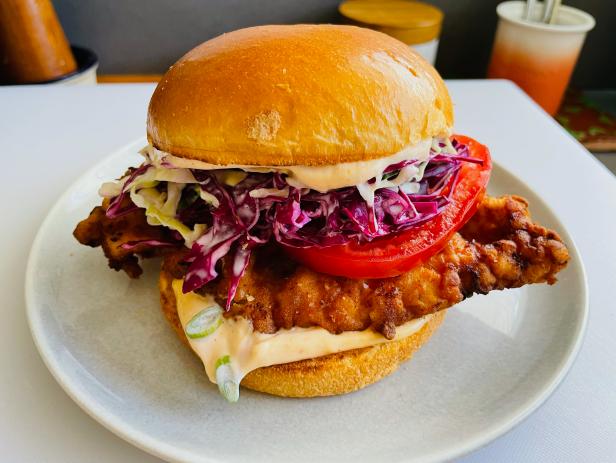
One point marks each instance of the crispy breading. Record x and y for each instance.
(99, 230)
(499, 248)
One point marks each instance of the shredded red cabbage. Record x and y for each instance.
(309, 218)
(303, 218)
(130, 245)
(115, 208)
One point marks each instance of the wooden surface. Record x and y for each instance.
(33, 47)
(127, 78)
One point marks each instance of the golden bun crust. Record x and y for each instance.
(339, 373)
(322, 376)
(297, 95)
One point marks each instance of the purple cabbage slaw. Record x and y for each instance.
(303, 218)
(115, 208)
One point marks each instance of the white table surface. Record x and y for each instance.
(49, 136)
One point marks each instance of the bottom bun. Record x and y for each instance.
(321, 376)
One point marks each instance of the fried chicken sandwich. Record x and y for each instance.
(314, 213)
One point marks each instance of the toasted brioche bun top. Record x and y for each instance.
(297, 95)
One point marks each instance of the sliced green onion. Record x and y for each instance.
(390, 175)
(225, 360)
(227, 385)
(204, 323)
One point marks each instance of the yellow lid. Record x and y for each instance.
(411, 22)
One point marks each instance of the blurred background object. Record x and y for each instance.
(415, 23)
(538, 53)
(34, 48)
(33, 45)
(590, 121)
(146, 36)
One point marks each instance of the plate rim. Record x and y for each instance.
(166, 451)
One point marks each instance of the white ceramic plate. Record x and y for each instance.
(103, 337)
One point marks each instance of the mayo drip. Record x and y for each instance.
(245, 350)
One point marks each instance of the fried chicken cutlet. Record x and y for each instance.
(500, 247)
(113, 235)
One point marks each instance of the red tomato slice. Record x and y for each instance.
(392, 255)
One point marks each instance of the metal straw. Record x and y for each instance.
(550, 9)
(530, 7)
(552, 18)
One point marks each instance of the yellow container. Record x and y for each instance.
(414, 23)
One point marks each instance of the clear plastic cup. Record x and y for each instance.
(538, 57)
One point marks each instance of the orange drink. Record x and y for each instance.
(538, 57)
